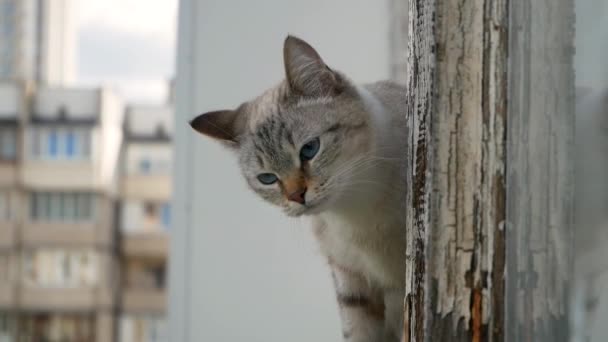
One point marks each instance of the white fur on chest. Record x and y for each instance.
(368, 243)
(366, 233)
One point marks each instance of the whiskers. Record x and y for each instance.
(354, 176)
(365, 178)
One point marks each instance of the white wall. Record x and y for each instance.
(591, 43)
(145, 119)
(111, 135)
(132, 215)
(239, 269)
(79, 103)
(590, 323)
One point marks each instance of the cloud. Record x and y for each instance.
(129, 44)
(106, 52)
(138, 91)
(149, 16)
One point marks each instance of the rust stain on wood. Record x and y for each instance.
(476, 316)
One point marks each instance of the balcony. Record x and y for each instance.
(146, 245)
(61, 175)
(68, 219)
(75, 103)
(64, 299)
(73, 141)
(60, 326)
(66, 234)
(144, 300)
(144, 284)
(148, 187)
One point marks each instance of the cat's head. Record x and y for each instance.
(302, 144)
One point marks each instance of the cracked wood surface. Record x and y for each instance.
(457, 106)
(420, 75)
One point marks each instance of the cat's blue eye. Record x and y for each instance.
(267, 178)
(310, 149)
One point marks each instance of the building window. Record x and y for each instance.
(70, 204)
(5, 268)
(151, 210)
(8, 144)
(61, 207)
(70, 144)
(60, 143)
(166, 215)
(145, 166)
(9, 9)
(84, 142)
(53, 141)
(7, 326)
(150, 165)
(145, 216)
(59, 268)
(66, 268)
(145, 276)
(5, 206)
(56, 326)
(158, 273)
(154, 215)
(36, 143)
(142, 327)
(84, 206)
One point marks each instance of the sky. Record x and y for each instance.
(128, 45)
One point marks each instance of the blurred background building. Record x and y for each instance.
(84, 215)
(85, 184)
(37, 41)
(145, 191)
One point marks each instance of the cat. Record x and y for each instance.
(318, 145)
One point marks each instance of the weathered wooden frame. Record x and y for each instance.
(491, 110)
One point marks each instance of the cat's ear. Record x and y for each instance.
(306, 72)
(224, 125)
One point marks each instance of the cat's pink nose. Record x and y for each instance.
(298, 195)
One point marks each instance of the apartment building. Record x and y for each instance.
(145, 191)
(60, 269)
(10, 108)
